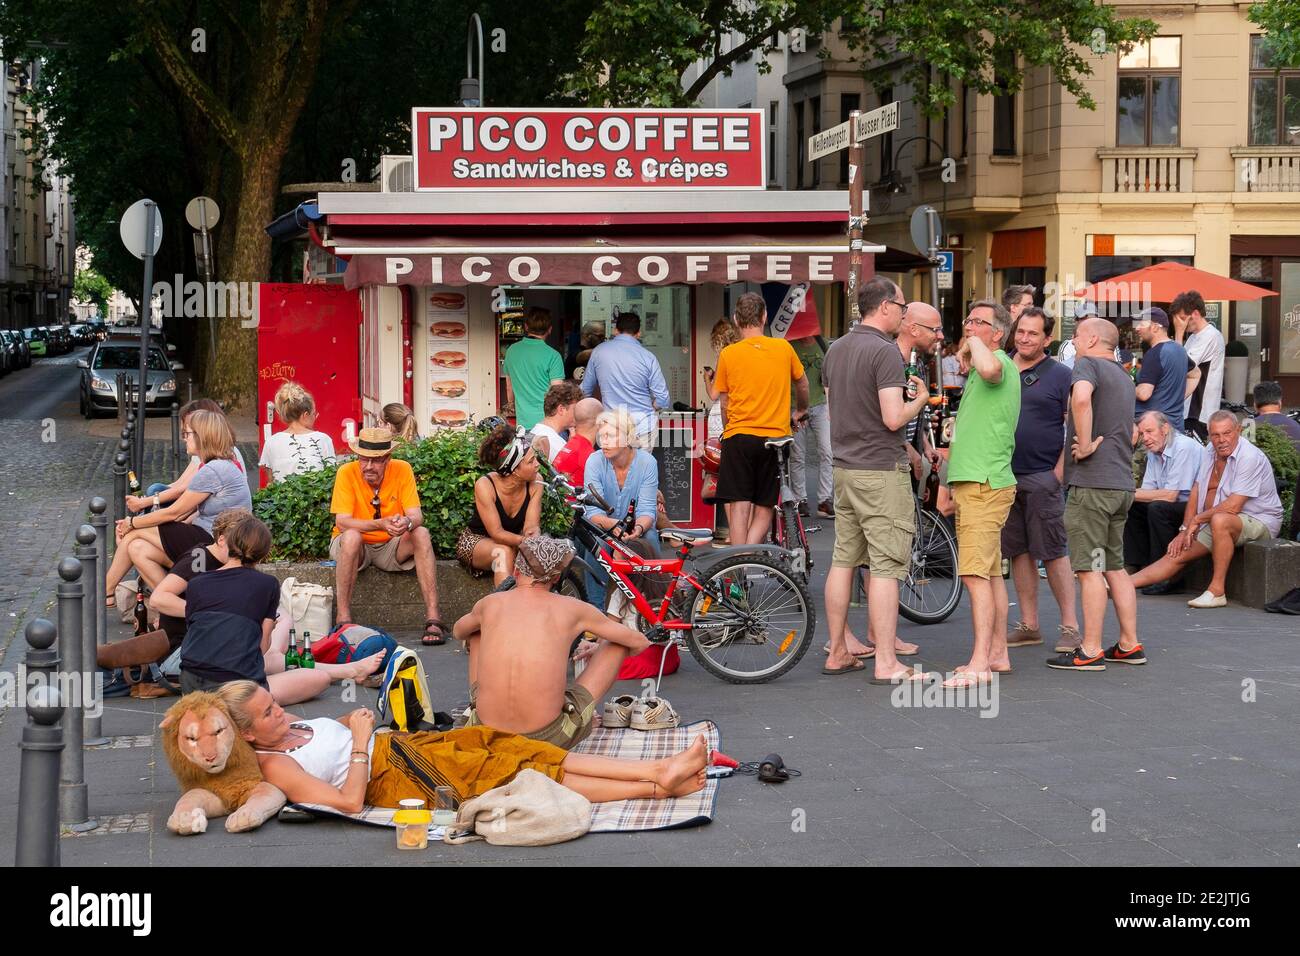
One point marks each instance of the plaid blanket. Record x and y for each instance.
(625, 815)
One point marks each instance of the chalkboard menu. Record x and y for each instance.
(673, 452)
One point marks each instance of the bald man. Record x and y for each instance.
(572, 459)
(1099, 473)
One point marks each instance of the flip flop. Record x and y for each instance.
(908, 675)
(1006, 673)
(963, 680)
(434, 640)
(862, 657)
(857, 665)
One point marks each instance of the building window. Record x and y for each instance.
(1004, 119)
(1274, 99)
(800, 144)
(1149, 100)
(848, 103)
(816, 103)
(773, 111)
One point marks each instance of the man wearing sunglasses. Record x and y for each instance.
(377, 520)
(983, 485)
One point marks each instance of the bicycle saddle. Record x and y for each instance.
(686, 535)
(778, 442)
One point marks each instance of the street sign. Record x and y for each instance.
(927, 230)
(878, 121)
(945, 269)
(828, 141)
(132, 228)
(202, 213)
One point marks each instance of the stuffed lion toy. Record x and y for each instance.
(216, 768)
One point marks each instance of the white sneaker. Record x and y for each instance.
(1208, 600)
(653, 713)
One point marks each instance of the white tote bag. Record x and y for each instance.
(309, 607)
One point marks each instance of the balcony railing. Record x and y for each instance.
(1266, 169)
(1146, 170)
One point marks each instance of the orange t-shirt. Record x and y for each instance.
(756, 374)
(354, 496)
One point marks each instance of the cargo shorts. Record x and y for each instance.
(875, 520)
(1094, 523)
(981, 513)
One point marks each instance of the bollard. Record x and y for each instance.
(119, 487)
(99, 521)
(73, 803)
(176, 436)
(41, 746)
(92, 701)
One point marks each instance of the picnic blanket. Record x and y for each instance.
(622, 816)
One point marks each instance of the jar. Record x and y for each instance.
(412, 822)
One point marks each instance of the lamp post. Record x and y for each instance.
(471, 89)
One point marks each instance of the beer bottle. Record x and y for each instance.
(913, 369)
(141, 611)
(291, 659)
(306, 660)
(132, 482)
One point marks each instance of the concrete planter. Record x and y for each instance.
(1261, 571)
(392, 601)
(1236, 369)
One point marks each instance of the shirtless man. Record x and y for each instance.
(518, 675)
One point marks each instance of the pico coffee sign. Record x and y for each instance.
(458, 148)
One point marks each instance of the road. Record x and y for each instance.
(46, 390)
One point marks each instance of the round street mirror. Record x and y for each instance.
(927, 231)
(132, 226)
(202, 213)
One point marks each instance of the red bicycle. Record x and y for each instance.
(742, 614)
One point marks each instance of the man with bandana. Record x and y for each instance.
(519, 676)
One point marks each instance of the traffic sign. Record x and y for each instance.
(945, 268)
(927, 230)
(878, 121)
(829, 141)
(132, 228)
(202, 213)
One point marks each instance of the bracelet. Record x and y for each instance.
(362, 752)
(157, 501)
(360, 760)
(130, 522)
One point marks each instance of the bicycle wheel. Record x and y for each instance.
(761, 628)
(932, 589)
(570, 585)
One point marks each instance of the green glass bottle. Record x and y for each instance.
(306, 660)
(291, 659)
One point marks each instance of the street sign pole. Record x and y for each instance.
(932, 215)
(856, 175)
(146, 323)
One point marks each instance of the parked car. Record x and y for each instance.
(37, 340)
(107, 359)
(61, 336)
(8, 357)
(20, 347)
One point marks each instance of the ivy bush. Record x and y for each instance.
(297, 510)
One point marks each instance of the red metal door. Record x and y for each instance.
(310, 334)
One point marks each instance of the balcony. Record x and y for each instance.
(1146, 169)
(1266, 169)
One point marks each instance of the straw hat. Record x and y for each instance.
(372, 443)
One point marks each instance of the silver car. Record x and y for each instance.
(122, 357)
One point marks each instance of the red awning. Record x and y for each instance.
(644, 259)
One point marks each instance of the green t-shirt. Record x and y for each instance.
(531, 365)
(985, 435)
(810, 356)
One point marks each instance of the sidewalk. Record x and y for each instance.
(1168, 758)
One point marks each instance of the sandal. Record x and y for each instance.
(435, 633)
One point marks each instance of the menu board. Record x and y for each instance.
(446, 312)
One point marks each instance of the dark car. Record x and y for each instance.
(119, 356)
(20, 347)
(61, 338)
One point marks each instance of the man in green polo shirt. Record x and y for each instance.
(531, 367)
(982, 485)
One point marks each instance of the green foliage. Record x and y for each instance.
(1281, 22)
(90, 286)
(446, 467)
(1276, 444)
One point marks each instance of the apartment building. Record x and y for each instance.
(1191, 155)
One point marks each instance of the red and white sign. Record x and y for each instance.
(481, 149)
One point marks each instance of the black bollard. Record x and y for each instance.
(74, 810)
(176, 436)
(91, 700)
(41, 746)
(99, 521)
(119, 487)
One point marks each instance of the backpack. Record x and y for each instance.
(404, 701)
(350, 642)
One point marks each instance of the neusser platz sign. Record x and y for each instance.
(588, 149)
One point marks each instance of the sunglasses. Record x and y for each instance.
(374, 503)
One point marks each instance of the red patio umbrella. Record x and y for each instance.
(1164, 281)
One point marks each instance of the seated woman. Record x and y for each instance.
(344, 764)
(155, 541)
(299, 448)
(168, 600)
(160, 493)
(507, 505)
(625, 475)
(399, 420)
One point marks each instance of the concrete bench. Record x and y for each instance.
(1261, 571)
(392, 601)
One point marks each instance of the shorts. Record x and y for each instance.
(1251, 530)
(383, 556)
(748, 471)
(875, 520)
(465, 545)
(981, 512)
(179, 538)
(1094, 521)
(191, 682)
(1036, 523)
(567, 730)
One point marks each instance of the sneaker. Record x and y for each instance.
(1022, 635)
(618, 712)
(1135, 655)
(653, 713)
(826, 509)
(1208, 600)
(1069, 640)
(1077, 661)
(803, 510)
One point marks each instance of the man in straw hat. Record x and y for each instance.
(377, 521)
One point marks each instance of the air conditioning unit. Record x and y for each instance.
(396, 174)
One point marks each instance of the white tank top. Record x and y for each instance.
(327, 756)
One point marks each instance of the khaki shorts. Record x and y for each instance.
(1251, 530)
(570, 728)
(1094, 523)
(981, 512)
(383, 556)
(875, 520)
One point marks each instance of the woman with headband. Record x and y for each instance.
(507, 505)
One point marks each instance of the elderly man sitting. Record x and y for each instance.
(1234, 500)
(1172, 462)
(377, 521)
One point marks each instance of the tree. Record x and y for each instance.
(1281, 22)
(90, 286)
(637, 51)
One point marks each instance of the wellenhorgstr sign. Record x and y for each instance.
(588, 149)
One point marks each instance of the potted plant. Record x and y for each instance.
(1236, 370)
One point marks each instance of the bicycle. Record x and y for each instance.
(740, 611)
(788, 529)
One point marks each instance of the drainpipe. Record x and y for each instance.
(408, 362)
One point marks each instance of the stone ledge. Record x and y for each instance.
(392, 601)
(1261, 572)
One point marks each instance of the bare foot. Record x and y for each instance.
(855, 646)
(366, 666)
(684, 772)
(1000, 664)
